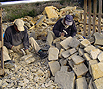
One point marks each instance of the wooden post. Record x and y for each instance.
(85, 16)
(99, 16)
(1, 49)
(89, 20)
(94, 15)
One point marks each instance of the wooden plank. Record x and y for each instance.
(85, 16)
(99, 16)
(1, 39)
(94, 15)
(89, 20)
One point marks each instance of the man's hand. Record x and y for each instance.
(62, 34)
(27, 51)
(15, 49)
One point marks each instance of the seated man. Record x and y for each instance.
(16, 38)
(64, 27)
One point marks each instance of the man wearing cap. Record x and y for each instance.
(64, 27)
(16, 38)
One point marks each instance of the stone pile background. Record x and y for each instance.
(73, 63)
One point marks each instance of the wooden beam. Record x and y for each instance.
(99, 16)
(94, 15)
(85, 16)
(89, 20)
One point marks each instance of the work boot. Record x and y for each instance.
(42, 54)
(46, 48)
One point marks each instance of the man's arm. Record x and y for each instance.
(74, 30)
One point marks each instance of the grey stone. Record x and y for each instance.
(85, 43)
(63, 62)
(97, 70)
(87, 56)
(98, 38)
(65, 79)
(30, 60)
(90, 86)
(54, 67)
(94, 53)
(53, 53)
(81, 83)
(65, 54)
(64, 68)
(77, 59)
(80, 69)
(65, 42)
(72, 51)
(100, 57)
(81, 52)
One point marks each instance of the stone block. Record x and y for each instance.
(89, 48)
(98, 38)
(77, 59)
(62, 50)
(91, 62)
(74, 42)
(65, 54)
(0, 44)
(30, 60)
(81, 83)
(81, 52)
(65, 42)
(85, 43)
(54, 67)
(51, 12)
(80, 69)
(39, 22)
(100, 57)
(25, 57)
(98, 83)
(87, 56)
(90, 86)
(94, 53)
(63, 62)
(53, 53)
(97, 70)
(72, 51)
(64, 68)
(65, 79)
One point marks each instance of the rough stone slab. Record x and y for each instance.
(51, 13)
(65, 42)
(39, 22)
(77, 59)
(91, 62)
(100, 57)
(90, 86)
(30, 60)
(74, 43)
(54, 67)
(85, 42)
(62, 50)
(98, 38)
(99, 83)
(87, 56)
(80, 69)
(89, 48)
(63, 62)
(81, 83)
(97, 70)
(0, 44)
(66, 79)
(53, 53)
(81, 52)
(72, 51)
(25, 57)
(64, 68)
(65, 54)
(1, 71)
(94, 53)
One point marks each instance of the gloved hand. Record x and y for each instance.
(27, 51)
(15, 49)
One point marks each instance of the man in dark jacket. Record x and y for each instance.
(64, 27)
(16, 38)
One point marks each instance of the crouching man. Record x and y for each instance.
(16, 38)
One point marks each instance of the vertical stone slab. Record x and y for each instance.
(81, 83)
(65, 79)
(65, 54)
(53, 53)
(89, 48)
(97, 70)
(54, 67)
(85, 42)
(100, 57)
